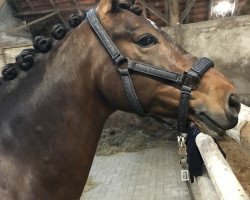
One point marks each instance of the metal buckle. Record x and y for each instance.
(181, 141)
(191, 81)
(182, 151)
(119, 59)
(124, 72)
(185, 176)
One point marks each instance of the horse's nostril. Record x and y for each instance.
(234, 103)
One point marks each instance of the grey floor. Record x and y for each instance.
(152, 174)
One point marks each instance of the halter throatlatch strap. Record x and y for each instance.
(183, 108)
(188, 81)
(115, 54)
(118, 59)
(130, 92)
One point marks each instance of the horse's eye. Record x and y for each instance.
(146, 41)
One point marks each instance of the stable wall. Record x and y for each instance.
(10, 47)
(226, 41)
(8, 54)
(12, 43)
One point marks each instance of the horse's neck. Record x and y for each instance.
(59, 113)
(76, 64)
(77, 61)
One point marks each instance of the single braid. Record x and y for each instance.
(74, 20)
(58, 31)
(25, 60)
(9, 72)
(42, 44)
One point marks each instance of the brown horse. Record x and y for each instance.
(52, 116)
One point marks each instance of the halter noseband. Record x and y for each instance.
(188, 81)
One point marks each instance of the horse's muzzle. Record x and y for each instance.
(233, 106)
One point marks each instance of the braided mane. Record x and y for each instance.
(27, 58)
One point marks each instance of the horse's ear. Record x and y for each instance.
(113, 6)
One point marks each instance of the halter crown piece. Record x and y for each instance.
(188, 81)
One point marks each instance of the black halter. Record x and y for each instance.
(188, 81)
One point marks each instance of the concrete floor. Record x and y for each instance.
(152, 174)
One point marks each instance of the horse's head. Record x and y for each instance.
(213, 106)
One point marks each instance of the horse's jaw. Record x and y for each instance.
(210, 126)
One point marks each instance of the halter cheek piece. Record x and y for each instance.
(188, 81)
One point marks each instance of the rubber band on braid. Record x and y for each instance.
(58, 31)
(25, 60)
(9, 72)
(75, 20)
(42, 44)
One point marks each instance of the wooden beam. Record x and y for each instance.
(190, 4)
(166, 9)
(236, 4)
(221, 174)
(37, 12)
(209, 14)
(1, 3)
(144, 11)
(174, 12)
(52, 3)
(48, 31)
(30, 4)
(45, 11)
(76, 4)
(206, 186)
(151, 8)
(15, 5)
(59, 14)
(186, 20)
(15, 29)
(62, 19)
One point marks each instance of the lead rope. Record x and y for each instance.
(182, 152)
